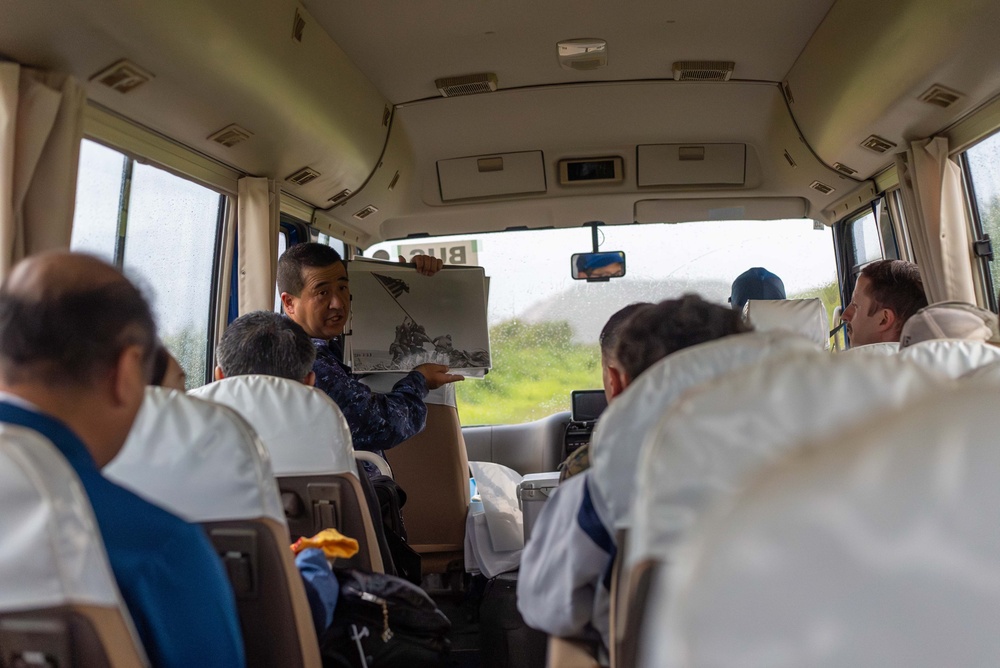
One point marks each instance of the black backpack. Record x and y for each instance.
(391, 499)
(382, 620)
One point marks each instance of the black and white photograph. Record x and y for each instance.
(402, 319)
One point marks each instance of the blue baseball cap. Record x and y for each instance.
(755, 283)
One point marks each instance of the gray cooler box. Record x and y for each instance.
(532, 493)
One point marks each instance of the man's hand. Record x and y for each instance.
(426, 265)
(437, 375)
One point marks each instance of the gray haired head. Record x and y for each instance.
(262, 342)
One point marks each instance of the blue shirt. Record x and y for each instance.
(169, 576)
(377, 421)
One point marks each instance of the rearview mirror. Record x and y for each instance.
(597, 266)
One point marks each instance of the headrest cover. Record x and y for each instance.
(803, 316)
(704, 449)
(199, 460)
(623, 427)
(950, 320)
(951, 357)
(51, 550)
(988, 373)
(301, 427)
(882, 348)
(872, 548)
(755, 283)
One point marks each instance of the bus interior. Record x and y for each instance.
(191, 142)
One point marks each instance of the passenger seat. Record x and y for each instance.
(802, 316)
(872, 546)
(311, 454)
(204, 463)
(59, 603)
(953, 357)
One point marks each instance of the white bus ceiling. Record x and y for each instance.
(852, 68)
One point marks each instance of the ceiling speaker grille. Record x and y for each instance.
(123, 76)
(878, 144)
(821, 187)
(231, 135)
(940, 96)
(470, 84)
(303, 176)
(703, 70)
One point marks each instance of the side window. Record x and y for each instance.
(282, 247)
(161, 230)
(865, 239)
(333, 243)
(982, 170)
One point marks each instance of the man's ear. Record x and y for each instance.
(887, 321)
(619, 380)
(129, 378)
(310, 379)
(218, 375)
(288, 302)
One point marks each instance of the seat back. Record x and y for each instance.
(705, 450)
(618, 438)
(871, 547)
(59, 599)
(203, 462)
(803, 316)
(310, 448)
(953, 357)
(433, 468)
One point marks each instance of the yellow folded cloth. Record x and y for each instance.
(332, 542)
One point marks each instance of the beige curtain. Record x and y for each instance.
(934, 204)
(41, 125)
(257, 223)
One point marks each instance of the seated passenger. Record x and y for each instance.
(167, 371)
(950, 320)
(315, 292)
(571, 551)
(611, 376)
(755, 283)
(887, 293)
(76, 352)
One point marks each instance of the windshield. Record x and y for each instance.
(544, 325)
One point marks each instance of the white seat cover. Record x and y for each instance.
(51, 550)
(877, 547)
(726, 430)
(301, 426)
(199, 460)
(621, 430)
(953, 357)
(882, 348)
(985, 373)
(803, 316)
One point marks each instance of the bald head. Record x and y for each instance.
(65, 318)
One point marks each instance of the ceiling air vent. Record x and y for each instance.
(365, 212)
(787, 88)
(940, 96)
(703, 70)
(303, 176)
(386, 116)
(469, 84)
(844, 169)
(298, 25)
(231, 135)
(341, 196)
(123, 76)
(878, 144)
(821, 187)
(582, 54)
(790, 159)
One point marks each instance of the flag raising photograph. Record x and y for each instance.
(402, 319)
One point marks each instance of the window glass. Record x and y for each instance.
(984, 166)
(98, 200)
(864, 236)
(169, 249)
(333, 243)
(544, 325)
(282, 247)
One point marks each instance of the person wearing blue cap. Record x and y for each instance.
(599, 265)
(755, 283)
